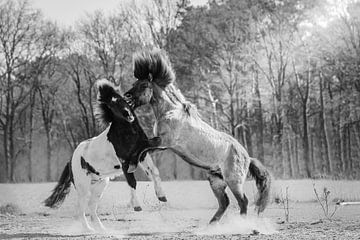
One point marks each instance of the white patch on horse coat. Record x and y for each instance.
(100, 154)
(153, 174)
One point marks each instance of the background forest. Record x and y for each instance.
(281, 76)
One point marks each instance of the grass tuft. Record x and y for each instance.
(10, 209)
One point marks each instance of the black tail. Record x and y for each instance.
(62, 188)
(263, 182)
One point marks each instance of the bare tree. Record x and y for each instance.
(163, 16)
(302, 83)
(18, 37)
(111, 41)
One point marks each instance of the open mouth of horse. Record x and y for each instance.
(130, 118)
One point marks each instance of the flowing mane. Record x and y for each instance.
(154, 66)
(103, 114)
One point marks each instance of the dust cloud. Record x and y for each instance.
(235, 224)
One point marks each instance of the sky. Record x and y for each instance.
(67, 12)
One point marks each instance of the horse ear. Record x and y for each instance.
(106, 90)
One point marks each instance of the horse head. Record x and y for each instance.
(153, 71)
(111, 105)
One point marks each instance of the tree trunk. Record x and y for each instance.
(311, 150)
(297, 156)
(324, 130)
(335, 133)
(276, 133)
(232, 118)
(357, 137)
(214, 117)
(6, 153)
(175, 167)
(349, 157)
(247, 130)
(306, 142)
(342, 134)
(12, 153)
(288, 150)
(31, 117)
(48, 154)
(258, 126)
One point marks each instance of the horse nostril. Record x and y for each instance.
(117, 166)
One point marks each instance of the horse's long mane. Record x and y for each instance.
(157, 64)
(103, 114)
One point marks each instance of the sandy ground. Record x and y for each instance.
(185, 216)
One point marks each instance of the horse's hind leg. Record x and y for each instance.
(218, 186)
(82, 203)
(236, 188)
(153, 174)
(97, 190)
(130, 179)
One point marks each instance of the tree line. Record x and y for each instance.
(281, 76)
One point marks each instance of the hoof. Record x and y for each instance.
(214, 221)
(162, 199)
(88, 229)
(132, 168)
(137, 209)
(101, 229)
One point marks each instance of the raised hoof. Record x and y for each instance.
(162, 199)
(132, 168)
(137, 209)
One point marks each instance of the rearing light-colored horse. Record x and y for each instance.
(180, 126)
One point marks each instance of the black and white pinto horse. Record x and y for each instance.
(109, 154)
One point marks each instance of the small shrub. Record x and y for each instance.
(324, 201)
(10, 209)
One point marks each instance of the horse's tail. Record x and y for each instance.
(263, 182)
(62, 188)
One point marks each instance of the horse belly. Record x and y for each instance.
(207, 149)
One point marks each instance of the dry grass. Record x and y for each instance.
(9, 209)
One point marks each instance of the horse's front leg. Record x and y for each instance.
(153, 174)
(131, 181)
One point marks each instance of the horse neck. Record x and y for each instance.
(166, 100)
(119, 125)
